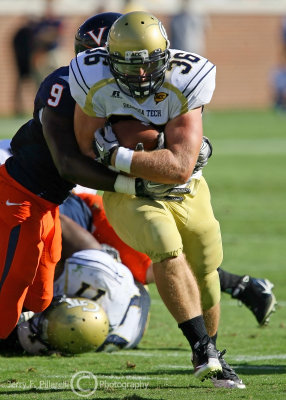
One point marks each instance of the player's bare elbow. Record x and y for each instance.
(175, 175)
(183, 173)
(183, 177)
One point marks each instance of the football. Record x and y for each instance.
(130, 132)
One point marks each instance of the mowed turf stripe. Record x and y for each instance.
(240, 357)
(236, 367)
(231, 303)
(242, 147)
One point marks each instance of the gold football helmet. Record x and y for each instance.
(75, 325)
(137, 45)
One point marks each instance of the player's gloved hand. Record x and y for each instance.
(112, 343)
(205, 153)
(161, 141)
(104, 144)
(159, 191)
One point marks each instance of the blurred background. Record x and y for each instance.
(245, 121)
(246, 39)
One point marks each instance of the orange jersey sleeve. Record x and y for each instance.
(137, 262)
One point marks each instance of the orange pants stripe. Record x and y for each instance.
(30, 248)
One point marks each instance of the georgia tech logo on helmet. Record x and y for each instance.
(161, 96)
(84, 303)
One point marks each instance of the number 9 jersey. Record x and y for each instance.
(29, 147)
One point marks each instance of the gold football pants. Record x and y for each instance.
(166, 229)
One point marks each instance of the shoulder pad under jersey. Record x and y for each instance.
(193, 75)
(87, 69)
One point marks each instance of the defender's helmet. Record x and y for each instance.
(138, 45)
(75, 325)
(93, 32)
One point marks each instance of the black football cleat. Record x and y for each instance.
(205, 361)
(227, 378)
(257, 295)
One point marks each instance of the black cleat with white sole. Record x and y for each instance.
(257, 295)
(205, 361)
(227, 378)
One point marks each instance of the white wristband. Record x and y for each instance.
(123, 184)
(123, 159)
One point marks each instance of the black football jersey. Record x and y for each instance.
(31, 164)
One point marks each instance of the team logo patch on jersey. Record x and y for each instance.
(160, 97)
(116, 94)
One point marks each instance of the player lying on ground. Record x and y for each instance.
(94, 272)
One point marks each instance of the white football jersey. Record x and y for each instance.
(189, 83)
(82, 189)
(5, 150)
(96, 275)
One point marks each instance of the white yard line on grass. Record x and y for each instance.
(240, 357)
(224, 302)
(250, 367)
(146, 377)
(131, 377)
(259, 358)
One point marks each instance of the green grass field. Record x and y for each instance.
(247, 178)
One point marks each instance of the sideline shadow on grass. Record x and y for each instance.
(241, 369)
(49, 391)
(265, 369)
(166, 349)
